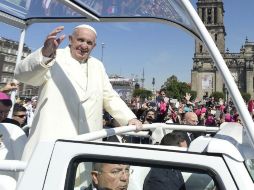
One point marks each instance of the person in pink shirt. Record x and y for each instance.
(251, 106)
(228, 117)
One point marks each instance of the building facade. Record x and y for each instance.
(123, 86)
(205, 77)
(8, 57)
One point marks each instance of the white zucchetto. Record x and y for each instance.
(86, 26)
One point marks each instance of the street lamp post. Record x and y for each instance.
(102, 49)
(153, 83)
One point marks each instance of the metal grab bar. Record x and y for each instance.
(12, 165)
(124, 129)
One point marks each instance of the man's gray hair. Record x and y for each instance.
(97, 166)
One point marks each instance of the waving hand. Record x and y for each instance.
(52, 42)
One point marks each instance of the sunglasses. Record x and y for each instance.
(20, 116)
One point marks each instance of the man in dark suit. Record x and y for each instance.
(167, 178)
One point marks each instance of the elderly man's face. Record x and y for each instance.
(112, 176)
(191, 118)
(82, 41)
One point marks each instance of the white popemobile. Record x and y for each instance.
(221, 160)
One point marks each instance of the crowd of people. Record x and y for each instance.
(20, 112)
(162, 109)
(210, 112)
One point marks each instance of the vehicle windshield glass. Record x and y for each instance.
(250, 166)
(169, 10)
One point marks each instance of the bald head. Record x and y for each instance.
(190, 118)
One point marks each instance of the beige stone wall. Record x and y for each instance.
(249, 82)
(219, 82)
(241, 63)
(203, 82)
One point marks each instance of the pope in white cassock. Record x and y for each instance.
(74, 88)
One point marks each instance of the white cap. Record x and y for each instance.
(86, 26)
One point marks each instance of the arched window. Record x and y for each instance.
(215, 15)
(200, 48)
(209, 16)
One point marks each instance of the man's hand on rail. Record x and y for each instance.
(136, 122)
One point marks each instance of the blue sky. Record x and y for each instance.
(158, 48)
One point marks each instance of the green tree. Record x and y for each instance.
(176, 89)
(217, 95)
(193, 95)
(142, 93)
(246, 96)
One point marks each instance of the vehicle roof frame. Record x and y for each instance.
(79, 9)
(12, 20)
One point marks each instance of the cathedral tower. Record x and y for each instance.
(204, 77)
(212, 14)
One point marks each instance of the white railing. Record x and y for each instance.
(125, 129)
(16, 165)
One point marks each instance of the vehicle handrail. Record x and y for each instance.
(124, 129)
(12, 165)
(17, 165)
(139, 134)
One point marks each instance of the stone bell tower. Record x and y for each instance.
(204, 77)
